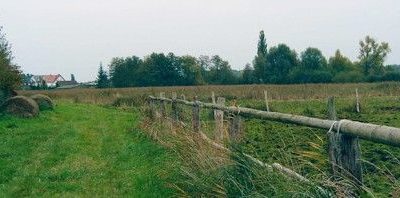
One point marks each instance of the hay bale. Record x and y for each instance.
(5, 94)
(44, 102)
(20, 106)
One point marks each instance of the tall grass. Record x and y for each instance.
(208, 171)
(275, 92)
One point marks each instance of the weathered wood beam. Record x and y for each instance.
(373, 132)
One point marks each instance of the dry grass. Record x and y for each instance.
(275, 92)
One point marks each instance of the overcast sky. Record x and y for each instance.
(74, 36)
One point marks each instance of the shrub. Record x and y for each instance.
(20, 106)
(352, 76)
(126, 101)
(391, 76)
(300, 76)
(44, 102)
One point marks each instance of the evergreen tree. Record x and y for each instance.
(102, 78)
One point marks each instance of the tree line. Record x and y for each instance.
(275, 65)
(160, 69)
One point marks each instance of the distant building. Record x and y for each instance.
(52, 81)
(68, 83)
(46, 80)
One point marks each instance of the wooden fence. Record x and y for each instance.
(343, 135)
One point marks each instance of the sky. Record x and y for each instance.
(74, 36)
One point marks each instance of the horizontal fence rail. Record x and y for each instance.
(372, 132)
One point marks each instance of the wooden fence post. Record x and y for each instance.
(219, 120)
(162, 103)
(153, 110)
(266, 99)
(214, 102)
(174, 114)
(357, 102)
(344, 151)
(235, 127)
(196, 116)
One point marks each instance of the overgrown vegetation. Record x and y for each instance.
(301, 149)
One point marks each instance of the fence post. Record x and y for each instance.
(174, 114)
(344, 151)
(153, 113)
(235, 127)
(357, 102)
(266, 99)
(162, 104)
(213, 101)
(219, 120)
(196, 116)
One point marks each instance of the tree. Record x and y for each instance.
(281, 60)
(220, 72)
(10, 75)
(312, 59)
(313, 68)
(190, 71)
(248, 75)
(372, 55)
(160, 70)
(340, 63)
(124, 71)
(102, 78)
(260, 61)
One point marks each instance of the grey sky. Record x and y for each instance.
(73, 36)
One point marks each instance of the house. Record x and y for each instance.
(46, 80)
(68, 83)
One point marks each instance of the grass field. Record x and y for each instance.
(82, 150)
(302, 149)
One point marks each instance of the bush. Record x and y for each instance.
(20, 106)
(391, 76)
(300, 76)
(352, 76)
(44, 102)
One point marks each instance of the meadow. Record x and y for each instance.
(81, 150)
(302, 149)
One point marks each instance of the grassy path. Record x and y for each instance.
(81, 150)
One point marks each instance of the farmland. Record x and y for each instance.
(300, 148)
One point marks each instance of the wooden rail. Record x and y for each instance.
(343, 145)
(372, 132)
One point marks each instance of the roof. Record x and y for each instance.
(48, 78)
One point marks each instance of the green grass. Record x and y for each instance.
(304, 149)
(82, 150)
(285, 143)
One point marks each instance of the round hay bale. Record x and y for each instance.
(20, 106)
(44, 102)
